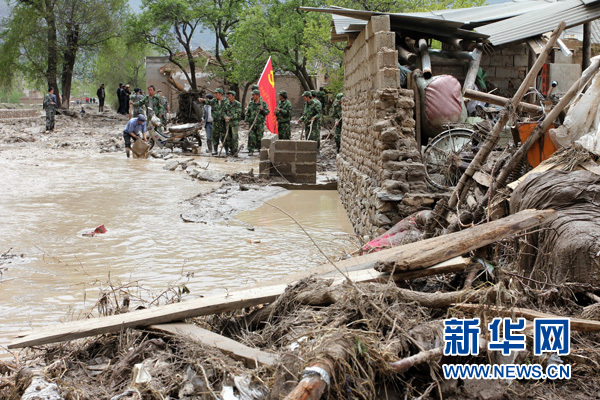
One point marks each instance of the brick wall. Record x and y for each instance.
(380, 175)
(295, 160)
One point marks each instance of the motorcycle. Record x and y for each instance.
(186, 136)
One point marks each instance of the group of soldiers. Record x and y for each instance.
(226, 116)
(312, 114)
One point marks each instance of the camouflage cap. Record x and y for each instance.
(313, 93)
(231, 92)
(339, 96)
(256, 91)
(219, 90)
(306, 94)
(283, 93)
(254, 87)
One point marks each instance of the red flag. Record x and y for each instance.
(266, 86)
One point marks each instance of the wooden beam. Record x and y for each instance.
(236, 300)
(586, 50)
(577, 324)
(432, 251)
(499, 100)
(252, 357)
(473, 69)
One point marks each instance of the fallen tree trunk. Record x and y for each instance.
(499, 100)
(317, 376)
(409, 362)
(431, 251)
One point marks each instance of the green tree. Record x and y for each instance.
(45, 36)
(169, 26)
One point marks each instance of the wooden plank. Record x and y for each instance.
(577, 324)
(499, 100)
(157, 315)
(252, 357)
(472, 71)
(431, 251)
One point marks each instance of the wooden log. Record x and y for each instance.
(317, 376)
(419, 358)
(425, 59)
(252, 357)
(431, 251)
(586, 46)
(577, 324)
(462, 187)
(472, 71)
(539, 130)
(406, 57)
(499, 100)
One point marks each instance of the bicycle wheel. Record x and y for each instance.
(447, 157)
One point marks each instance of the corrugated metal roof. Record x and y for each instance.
(433, 27)
(572, 12)
(341, 23)
(576, 32)
(479, 15)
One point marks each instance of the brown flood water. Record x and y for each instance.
(48, 201)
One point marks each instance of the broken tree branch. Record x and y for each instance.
(499, 100)
(431, 251)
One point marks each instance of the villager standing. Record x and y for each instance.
(135, 129)
(126, 96)
(283, 112)
(101, 94)
(256, 115)
(218, 113)
(152, 104)
(120, 98)
(336, 114)
(50, 107)
(208, 123)
(311, 117)
(135, 98)
(233, 114)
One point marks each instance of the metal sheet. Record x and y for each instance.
(534, 23)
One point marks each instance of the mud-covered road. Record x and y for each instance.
(58, 187)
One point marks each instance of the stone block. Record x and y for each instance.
(387, 59)
(506, 72)
(384, 39)
(282, 169)
(387, 78)
(264, 167)
(306, 157)
(283, 157)
(389, 135)
(285, 145)
(306, 168)
(306, 145)
(265, 143)
(304, 178)
(390, 155)
(380, 23)
(264, 154)
(520, 60)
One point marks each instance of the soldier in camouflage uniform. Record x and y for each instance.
(151, 101)
(50, 107)
(233, 114)
(283, 112)
(256, 114)
(336, 114)
(322, 96)
(218, 113)
(136, 97)
(166, 107)
(311, 117)
(313, 94)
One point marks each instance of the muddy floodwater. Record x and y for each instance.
(48, 200)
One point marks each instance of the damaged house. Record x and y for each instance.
(390, 112)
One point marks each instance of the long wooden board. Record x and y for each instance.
(432, 251)
(451, 246)
(252, 357)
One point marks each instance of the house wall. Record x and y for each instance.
(380, 175)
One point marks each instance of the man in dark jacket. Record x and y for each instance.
(101, 95)
(120, 91)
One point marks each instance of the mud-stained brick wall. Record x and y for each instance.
(381, 178)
